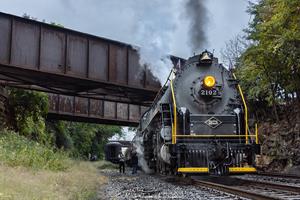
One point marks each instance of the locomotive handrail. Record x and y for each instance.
(256, 134)
(201, 135)
(157, 96)
(161, 89)
(174, 128)
(246, 110)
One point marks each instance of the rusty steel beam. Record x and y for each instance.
(90, 95)
(45, 55)
(93, 110)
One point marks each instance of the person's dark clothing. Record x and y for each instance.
(94, 158)
(134, 160)
(134, 169)
(121, 163)
(122, 166)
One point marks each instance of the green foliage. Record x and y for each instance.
(16, 150)
(27, 16)
(56, 24)
(61, 134)
(27, 110)
(91, 138)
(82, 139)
(270, 68)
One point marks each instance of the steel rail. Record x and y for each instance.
(234, 190)
(274, 185)
(279, 175)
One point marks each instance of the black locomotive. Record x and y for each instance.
(198, 123)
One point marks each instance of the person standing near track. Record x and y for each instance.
(121, 162)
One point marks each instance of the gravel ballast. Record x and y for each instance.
(143, 186)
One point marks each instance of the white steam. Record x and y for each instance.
(139, 148)
(154, 52)
(153, 34)
(158, 62)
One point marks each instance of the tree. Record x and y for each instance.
(27, 110)
(233, 50)
(82, 139)
(270, 68)
(90, 138)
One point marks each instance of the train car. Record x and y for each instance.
(198, 123)
(113, 148)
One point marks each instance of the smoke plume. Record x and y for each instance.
(153, 33)
(139, 148)
(196, 14)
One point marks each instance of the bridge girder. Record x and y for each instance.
(88, 69)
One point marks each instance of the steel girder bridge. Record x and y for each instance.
(87, 78)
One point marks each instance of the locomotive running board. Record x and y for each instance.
(206, 170)
(193, 169)
(241, 169)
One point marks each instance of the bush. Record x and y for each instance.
(27, 110)
(16, 150)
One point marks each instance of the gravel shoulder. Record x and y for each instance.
(143, 186)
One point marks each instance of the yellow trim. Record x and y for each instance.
(246, 110)
(174, 128)
(214, 135)
(256, 134)
(241, 169)
(193, 169)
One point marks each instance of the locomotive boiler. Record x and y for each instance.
(198, 123)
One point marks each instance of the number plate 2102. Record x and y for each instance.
(212, 92)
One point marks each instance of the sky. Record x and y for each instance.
(158, 27)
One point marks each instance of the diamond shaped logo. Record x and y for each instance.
(213, 122)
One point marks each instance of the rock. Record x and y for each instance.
(281, 144)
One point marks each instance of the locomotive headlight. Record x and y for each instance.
(209, 81)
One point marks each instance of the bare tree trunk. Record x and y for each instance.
(275, 112)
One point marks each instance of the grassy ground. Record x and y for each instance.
(82, 181)
(16, 150)
(30, 171)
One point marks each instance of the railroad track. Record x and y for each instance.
(279, 175)
(249, 188)
(273, 178)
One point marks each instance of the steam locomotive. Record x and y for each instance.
(198, 123)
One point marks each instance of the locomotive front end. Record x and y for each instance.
(210, 131)
(198, 123)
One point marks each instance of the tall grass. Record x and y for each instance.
(16, 150)
(81, 182)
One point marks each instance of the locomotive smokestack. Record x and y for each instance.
(196, 14)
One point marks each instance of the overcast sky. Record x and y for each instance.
(135, 21)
